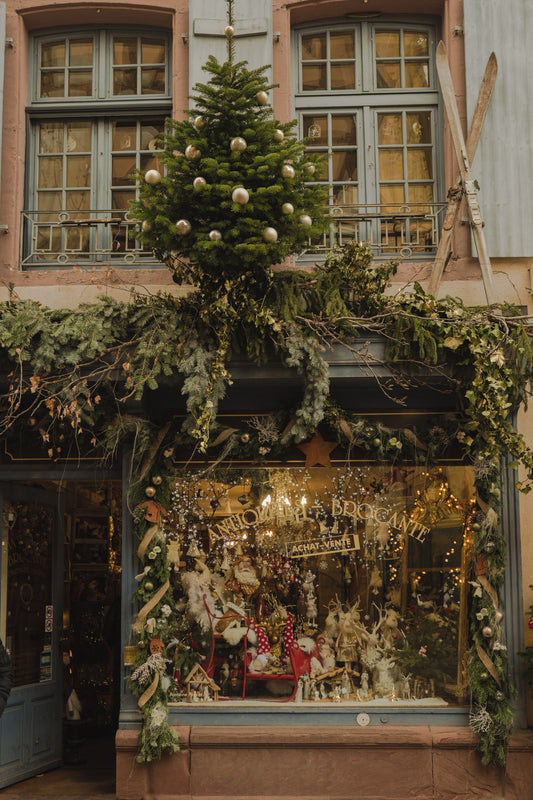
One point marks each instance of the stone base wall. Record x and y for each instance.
(327, 763)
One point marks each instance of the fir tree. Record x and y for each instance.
(238, 193)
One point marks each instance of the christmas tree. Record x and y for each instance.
(237, 194)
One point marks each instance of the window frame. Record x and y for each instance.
(367, 103)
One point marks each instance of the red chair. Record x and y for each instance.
(299, 663)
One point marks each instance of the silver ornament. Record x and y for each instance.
(287, 208)
(270, 235)
(183, 226)
(240, 195)
(191, 152)
(238, 143)
(305, 219)
(262, 98)
(146, 226)
(215, 236)
(229, 31)
(279, 135)
(287, 171)
(199, 122)
(310, 168)
(152, 176)
(198, 183)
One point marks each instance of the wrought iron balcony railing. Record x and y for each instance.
(68, 238)
(96, 237)
(389, 229)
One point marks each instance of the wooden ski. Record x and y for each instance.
(466, 185)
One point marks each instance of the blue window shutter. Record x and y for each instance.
(252, 20)
(503, 164)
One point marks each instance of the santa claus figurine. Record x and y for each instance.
(244, 581)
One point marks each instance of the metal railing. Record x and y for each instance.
(390, 230)
(85, 238)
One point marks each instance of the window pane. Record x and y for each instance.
(53, 54)
(387, 44)
(124, 136)
(316, 127)
(342, 76)
(388, 75)
(50, 201)
(343, 129)
(78, 201)
(151, 162)
(313, 77)
(125, 50)
(419, 128)
(51, 137)
(419, 163)
(416, 74)
(80, 83)
(150, 136)
(415, 44)
(420, 193)
(50, 172)
(53, 84)
(152, 81)
(314, 46)
(81, 53)
(152, 51)
(391, 165)
(346, 196)
(122, 168)
(390, 129)
(124, 81)
(342, 45)
(78, 171)
(121, 200)
(79, 137)
(77, 239)
(344, 166)
(391, 193)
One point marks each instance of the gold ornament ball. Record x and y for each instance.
(238, 144)
(279, 135)
(306, 220)
(270, 235)
(376, 442)
(183, 226)
(229, 31)
(262, 98)
(215, 236)
(199, 183)
(245, 438)
(199, 122)
(146, 226)
(150, 491)
(287, 208)
(191, 152)
(310, 168)
(487, 632)
(149, 586)
(157, 480)
(152, 177)
(240, 195)
(287, 171)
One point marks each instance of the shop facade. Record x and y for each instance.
(320, 593)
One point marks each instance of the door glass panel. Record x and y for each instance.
(124, 135)
(390, 129)
(419, 163)
(50, 172)
(419, 128)
(122, 168)
(30, 530)
(391, 165)
(50, 201)
(344, 166)
(50, 137)
(343, 129)
(149, 161)
(121, 200)
(391, 193)
(78, 171)
(316, 128)
(79, 137)
(77, 201)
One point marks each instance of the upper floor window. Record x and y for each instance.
(98, 105)
(367, 101)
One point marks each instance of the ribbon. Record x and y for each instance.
(148, 536)
(154, 600)
(143, 699)
(491, 591)
(487, 663)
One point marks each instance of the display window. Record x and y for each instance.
(325, 585)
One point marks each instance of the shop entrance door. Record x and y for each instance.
(31, 589)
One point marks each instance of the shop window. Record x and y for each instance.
(97, 114)
(322, 585)
(367, 101)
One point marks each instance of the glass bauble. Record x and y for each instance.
(152, 176)
(279, 135)
(238, 144)
(240, 195)
(146, 226)
(306, 220)
(191, 152)
(270, 235)
(215, 236)
(262, 98)
(199, 182)
(287, 208)
(287, 171)
(183, 226)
